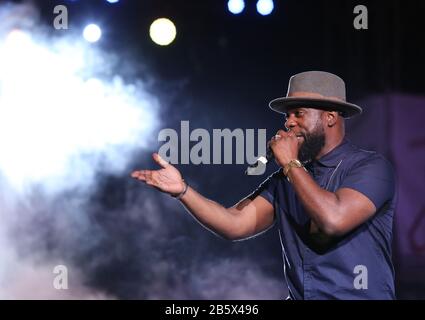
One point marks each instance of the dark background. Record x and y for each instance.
(221, 72)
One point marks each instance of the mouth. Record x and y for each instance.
(299, 136)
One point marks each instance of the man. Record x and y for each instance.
(332, 201)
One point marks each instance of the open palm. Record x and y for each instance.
(168, 179)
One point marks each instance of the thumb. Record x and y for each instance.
(160, 161)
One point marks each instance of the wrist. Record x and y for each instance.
(288, 159)
(185, 186)
(294, 163)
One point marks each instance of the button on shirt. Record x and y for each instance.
(356, 265)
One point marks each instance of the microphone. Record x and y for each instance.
(259, 166)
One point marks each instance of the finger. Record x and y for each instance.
(135, 174)
(146, 175)
(291, 134)
(282, 133)
(152, 178)
(160, 161)
(142, 175)
(272, 143)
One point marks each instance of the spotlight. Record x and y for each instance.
(265, 7)
(92, 33)
(236, 6)
(113, 1)
(162, 31)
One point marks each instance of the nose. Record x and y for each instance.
(290, 121)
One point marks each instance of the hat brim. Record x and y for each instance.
(282, 105)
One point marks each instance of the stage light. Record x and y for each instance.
(113, 1)
(265, 7)
(162, 31)
(92, 33)
(236, 6)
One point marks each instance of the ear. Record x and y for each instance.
(331, 118)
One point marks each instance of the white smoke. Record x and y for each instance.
(62, 122)
(67, 121)
(50, 115)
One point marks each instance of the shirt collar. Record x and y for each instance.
(333, 157)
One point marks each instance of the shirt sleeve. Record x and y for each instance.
(268, 188)
(373, 177)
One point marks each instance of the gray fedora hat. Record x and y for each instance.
(316, 89)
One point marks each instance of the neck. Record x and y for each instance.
(330, 144)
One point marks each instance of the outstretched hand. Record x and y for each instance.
(168, 179)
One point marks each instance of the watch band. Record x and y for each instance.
(292, 164)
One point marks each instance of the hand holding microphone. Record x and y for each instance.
(283, 147)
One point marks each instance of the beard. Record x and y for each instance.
(313, 143)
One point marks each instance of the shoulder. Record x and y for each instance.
(369, 163)
(371, 174)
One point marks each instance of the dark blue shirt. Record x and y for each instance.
(357, 265)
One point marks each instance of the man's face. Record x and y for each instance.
(307, 124)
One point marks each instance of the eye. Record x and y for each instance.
(299, 113)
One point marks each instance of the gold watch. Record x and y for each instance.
(292, 164)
